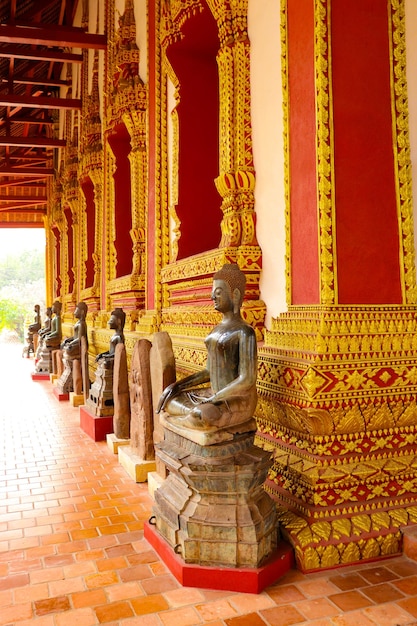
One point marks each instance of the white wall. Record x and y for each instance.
(268, 149)
(411, 52)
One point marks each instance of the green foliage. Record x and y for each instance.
(19, 270)
(22, 285)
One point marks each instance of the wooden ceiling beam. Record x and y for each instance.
(24, 210)
(29, 142)
(16, 52)
(28, 183)
(60, 36)
(44, 82)
(39, 102)
(10, 170)
(21, 198)
(16, 119)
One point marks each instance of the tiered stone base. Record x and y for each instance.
(212, 508)
(242, 579)
(100, 400)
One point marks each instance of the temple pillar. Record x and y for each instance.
(337, 372)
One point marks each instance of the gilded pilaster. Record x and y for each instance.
(337, 383)
(127, 105)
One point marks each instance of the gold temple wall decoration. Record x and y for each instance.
(402, 151)
(91, 175)
(235, 179)
(126, 106)
(337, 383)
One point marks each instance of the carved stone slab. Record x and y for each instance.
(141, 425)
(163, 373)
(121, 415)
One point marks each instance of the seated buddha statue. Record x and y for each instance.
(117, 323)
(52, 339)
(72, 345)
(229, 396)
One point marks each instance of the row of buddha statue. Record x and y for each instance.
(201, 427)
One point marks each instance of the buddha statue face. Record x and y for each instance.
(222, 296)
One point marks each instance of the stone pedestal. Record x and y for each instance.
(65, 382)
(95, 426)
(212, 508)
(76, 399)
(114, 443)
(44, 362)
(61, 397)
(137, 467)
(100, 400)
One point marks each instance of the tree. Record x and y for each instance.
(22, 285)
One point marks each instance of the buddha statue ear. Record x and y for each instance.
(236, 299)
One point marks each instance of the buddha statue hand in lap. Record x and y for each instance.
(230, 373)
(72, 345)
(117, 323)
(54, 336)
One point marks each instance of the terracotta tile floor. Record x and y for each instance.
(72, 551)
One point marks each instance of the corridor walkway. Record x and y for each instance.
(72, 551)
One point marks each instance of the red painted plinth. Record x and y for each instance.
(244, 579)
(61, 396)
(40, 376)
(95, 426)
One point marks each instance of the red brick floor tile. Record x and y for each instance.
(382, 593)
(101, 580)
(113, 611)
(135, 573)
(251, 619)
(315, 608)
(285, 594)
(51, 605)
(186, 616)
(388, 614)
(350, 600)
(409, 604)
(346, 582)
(124, 591)
(406, 585)
(402, 567)
(94, 597)
(149, 604)
(77, 617)
(377, 575)
(16, 613)
(285, 615)
(16, 580)
(159, 584)
(216, 609)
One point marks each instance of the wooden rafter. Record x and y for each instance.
(59, 36)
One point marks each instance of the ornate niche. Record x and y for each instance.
(126, 158)
(91, 184)
(205, 62)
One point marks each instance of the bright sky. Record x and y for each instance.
(17, 240)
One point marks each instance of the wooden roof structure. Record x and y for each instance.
(37, 39)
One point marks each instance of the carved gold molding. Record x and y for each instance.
(349, 365)
(402, 150)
